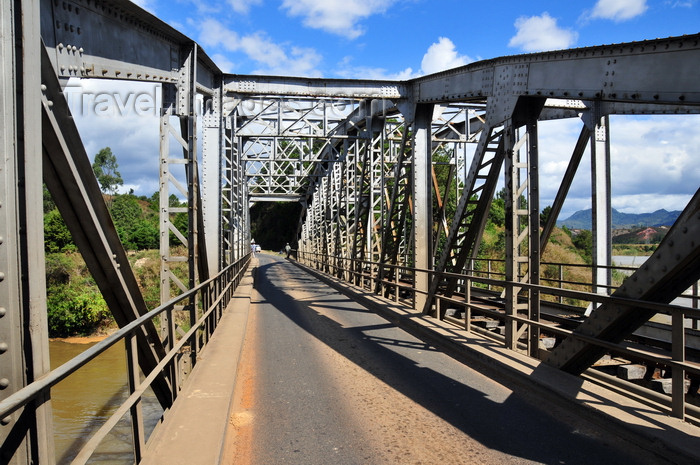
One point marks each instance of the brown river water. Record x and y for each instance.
(85, 400)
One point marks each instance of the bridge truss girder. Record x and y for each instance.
(364, 174)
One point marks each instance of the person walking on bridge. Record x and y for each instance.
(288, 249)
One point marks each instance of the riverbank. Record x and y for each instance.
(90, 339)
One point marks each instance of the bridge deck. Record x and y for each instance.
(194, 431)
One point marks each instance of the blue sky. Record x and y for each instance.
(403, 39)
(654, 159)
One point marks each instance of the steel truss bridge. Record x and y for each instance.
(361, 157)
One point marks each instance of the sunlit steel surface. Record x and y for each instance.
(360, 156)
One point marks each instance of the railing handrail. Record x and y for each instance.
(555, 291)
(26, 394)
(368, 273)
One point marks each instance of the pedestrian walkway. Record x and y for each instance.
(194, 430)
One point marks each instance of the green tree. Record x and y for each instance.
(136, 225)
(49, 204)
(497, 212)
(545, 214)
(57, 237)
(583, 241)
(105, 168)
(274, 224)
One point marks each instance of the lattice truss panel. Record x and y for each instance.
(234, 196)
(282, 140)
(174, 155)
(362, 208)
(348, 206)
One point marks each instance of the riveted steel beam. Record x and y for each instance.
(633, 72)
(116, 39)
(27, 434)
(423, 208)
(315, 87)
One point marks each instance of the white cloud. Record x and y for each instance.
(618, 10)
(243, 6)
(146, 5)
(223, 62)
(281, 59)
(442, 55)
(299, 61)
(124, 116)
(214, 34)
(648, 203)
(540, 33)
(651, 162)
(336, 16)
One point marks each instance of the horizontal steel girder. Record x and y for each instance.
(634, 72)
(116, 39)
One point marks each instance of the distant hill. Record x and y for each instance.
(582, 219)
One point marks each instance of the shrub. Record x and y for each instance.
(74, 303)
(73, 311)
(57, 238)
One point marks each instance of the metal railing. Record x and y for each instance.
(214, 294)
(397, 282)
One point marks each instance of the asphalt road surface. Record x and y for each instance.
(324, 381)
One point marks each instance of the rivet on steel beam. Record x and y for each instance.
(2, 276)
(3, 347)
(3, 312)
(60, 46)
(6, 421)
(43, 87)
(81, 50)
(4, 383)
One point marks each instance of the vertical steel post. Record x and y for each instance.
(212, 180)
(136, 410)
(534, 246)
(602, 210)
(522, 232)
(27, 435)
(423, 202)
(512, 232)
(678, 355)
